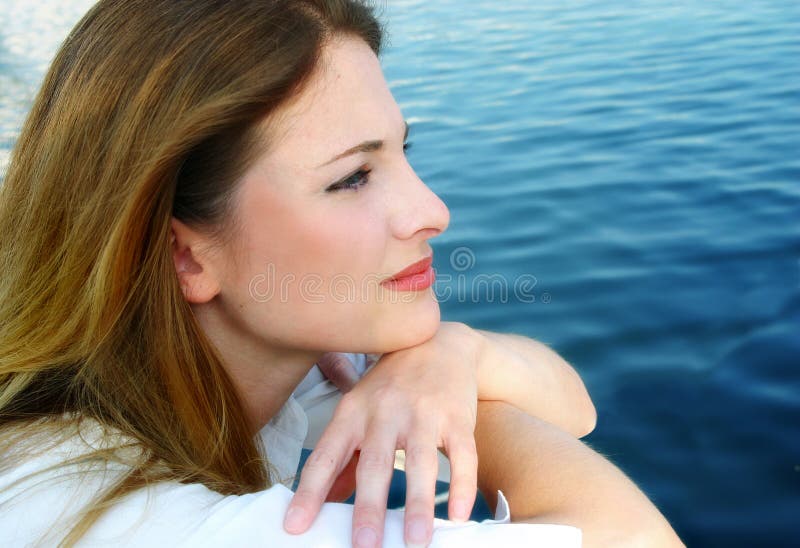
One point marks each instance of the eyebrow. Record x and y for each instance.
(366, 146)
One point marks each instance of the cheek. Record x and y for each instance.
(338, 244)
(320, 299)
(332, 249)
(316, 268)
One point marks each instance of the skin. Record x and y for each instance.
(403, 402)
(273, 299)
(292, 227)
(288, 224)
(549, 476)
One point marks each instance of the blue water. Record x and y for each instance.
(641, 161)
(634, 168)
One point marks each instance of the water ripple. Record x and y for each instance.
(640, 160)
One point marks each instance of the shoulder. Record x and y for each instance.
(48, 476)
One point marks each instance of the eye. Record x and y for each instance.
(353, 182)
(358, 179)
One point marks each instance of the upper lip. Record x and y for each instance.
(416, 268)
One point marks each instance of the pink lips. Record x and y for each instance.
(416, 268)
(415, 277)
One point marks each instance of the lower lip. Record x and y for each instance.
(415, 282)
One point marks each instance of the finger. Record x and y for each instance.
(422, 465)
(373, 475)
(463, 456)
(324, 464)
(345, 484)
(338, 369)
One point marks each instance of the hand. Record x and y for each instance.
(345, 484)
(418, 399)
(337, 368)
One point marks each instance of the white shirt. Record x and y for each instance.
(39, 511)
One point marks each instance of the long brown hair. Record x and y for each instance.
(151, 108)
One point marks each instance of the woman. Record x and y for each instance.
(195, 182)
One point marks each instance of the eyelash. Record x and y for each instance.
(359, 179)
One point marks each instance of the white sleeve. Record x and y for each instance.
(176, 514)
(191, 515)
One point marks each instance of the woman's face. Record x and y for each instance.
(305, 265)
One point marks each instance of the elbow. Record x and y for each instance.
(588, 419)
(585, 412)
(585, 420)
(579, 404)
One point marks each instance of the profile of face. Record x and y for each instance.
(314, 236)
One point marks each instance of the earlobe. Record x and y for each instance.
(194, 269)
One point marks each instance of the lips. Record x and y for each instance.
(416, 268)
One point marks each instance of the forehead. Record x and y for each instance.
(346, 101)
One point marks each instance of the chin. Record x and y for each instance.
(408, 324)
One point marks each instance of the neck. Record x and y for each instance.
(263, 376)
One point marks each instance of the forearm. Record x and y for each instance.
(530, 376)
(550, 477)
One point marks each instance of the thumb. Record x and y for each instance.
(338, 369)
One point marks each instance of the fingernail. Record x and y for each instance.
(417, 532)
(295, 518)
(366, 538)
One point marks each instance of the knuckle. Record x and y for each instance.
(348, 406)
(419, 456)
(463, 447)
(305, 497)
(367, 513)
(470, 337)
(462, 483)
(321, 460)
(417, 504)
(386, 396)
(462, 329)
(465, 330)
(456, 325)
(372, 460)
(423, 403)
(463, 467)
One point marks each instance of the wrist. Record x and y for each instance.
(469, 342)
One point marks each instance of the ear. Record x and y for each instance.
(196, 274)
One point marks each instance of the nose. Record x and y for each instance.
(416, 210)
